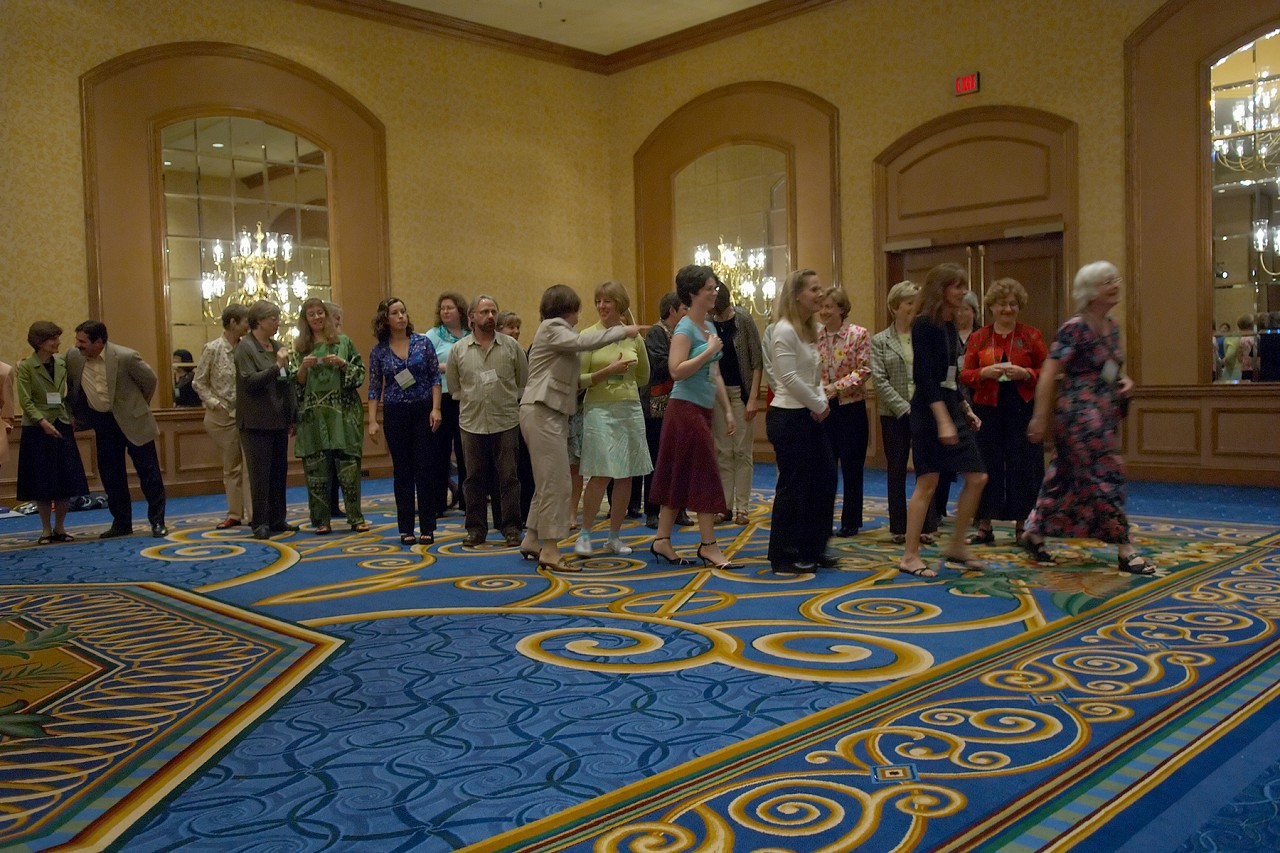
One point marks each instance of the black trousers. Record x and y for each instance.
(805, 498)
(492, 460)
(266, 458)
(415, 477)
(112, 447)
(652, 434)
(847, 430)
(1015, 466)
(896, 435)
(449, 440)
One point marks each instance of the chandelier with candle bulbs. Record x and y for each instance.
(259, 270)
(743, 273)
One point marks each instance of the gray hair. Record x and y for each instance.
(475, 303)
(1090, 277)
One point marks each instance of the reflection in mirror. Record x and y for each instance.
(732, 211)
(1245, 129)
(225, 179)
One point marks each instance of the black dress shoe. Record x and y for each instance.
(827, 561)
(262, 532)
(113, 531)
(284, 528)
(847, 531)
(797, 568)
(683, 520)
(159, 531)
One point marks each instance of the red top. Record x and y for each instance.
(1024, 346)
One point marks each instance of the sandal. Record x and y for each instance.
(1035, 550)
(741, 519)
(362, 527)
(920, 571)
(227, 523)
(322, 530)
(899, 539)
(427, 539)
(62, 536)
(928, 539)
(1136, 564)
(45, 539)
(981, 537)
(408, 539)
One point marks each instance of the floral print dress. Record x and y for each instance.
(1083, 491)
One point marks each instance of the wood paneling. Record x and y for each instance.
(1245, 431)
(1168, 431)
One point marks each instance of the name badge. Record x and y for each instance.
(950, 382)
(53, 398)
(488, 377)
(1110, 372)
(405, 378)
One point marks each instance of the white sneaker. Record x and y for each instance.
(616, 546)
(583, 546)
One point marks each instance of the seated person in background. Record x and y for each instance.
(184, 371)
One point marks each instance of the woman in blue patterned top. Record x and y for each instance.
(451, 327)
(404, 373)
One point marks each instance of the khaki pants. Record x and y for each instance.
(546, 432)
(221, 426)
(733, 453)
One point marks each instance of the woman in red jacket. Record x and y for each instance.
(1002, 364)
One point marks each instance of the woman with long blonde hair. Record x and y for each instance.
(806, 493)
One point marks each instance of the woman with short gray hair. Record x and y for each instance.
(1083, 491)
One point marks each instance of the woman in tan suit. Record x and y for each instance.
(550, 398)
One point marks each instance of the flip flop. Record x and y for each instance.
(969, 563)
(1136, 564)
(921, 571)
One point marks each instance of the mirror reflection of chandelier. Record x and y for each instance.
(1266, 235)
(259, 270)
(743, 273)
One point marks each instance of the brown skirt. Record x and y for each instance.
(685, 475)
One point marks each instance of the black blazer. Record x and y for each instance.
(264, 398)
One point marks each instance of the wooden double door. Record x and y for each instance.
(1035, 262)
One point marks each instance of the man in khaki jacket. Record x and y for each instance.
(111, 390)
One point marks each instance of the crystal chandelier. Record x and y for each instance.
(259, 270)
(1266, 235)
(743, 274)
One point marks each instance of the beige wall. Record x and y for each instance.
(497, 164)
(889, 66)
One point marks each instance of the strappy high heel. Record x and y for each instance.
(706, 561)
(660, 558)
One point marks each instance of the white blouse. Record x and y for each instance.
(796, 371)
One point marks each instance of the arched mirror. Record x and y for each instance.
(1245, 127)
(246, 213)
(731, 210)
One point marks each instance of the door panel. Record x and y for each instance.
(1035, 262)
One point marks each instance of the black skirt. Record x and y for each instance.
(49, 469)
(931, 456)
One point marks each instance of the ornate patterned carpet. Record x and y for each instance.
(212, 692)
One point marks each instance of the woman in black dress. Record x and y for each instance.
(942, 422)
(49, 467)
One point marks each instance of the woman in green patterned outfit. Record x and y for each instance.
(329, 371)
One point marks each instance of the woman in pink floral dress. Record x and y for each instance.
(1083, 491)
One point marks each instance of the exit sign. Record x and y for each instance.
(967, 84)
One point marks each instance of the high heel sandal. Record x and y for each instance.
(529, 554)
(659, 557)
(408, 539)
(706, 561)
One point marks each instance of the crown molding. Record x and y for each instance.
(400, 15)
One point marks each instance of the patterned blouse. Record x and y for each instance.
(845, 356)
(385, 364)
